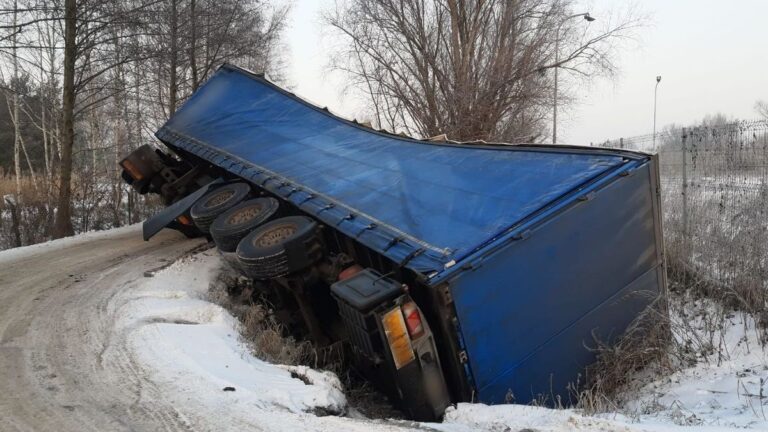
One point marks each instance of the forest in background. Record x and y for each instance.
(83, 82)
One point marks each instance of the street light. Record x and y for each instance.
(655, 93)
(587, 18)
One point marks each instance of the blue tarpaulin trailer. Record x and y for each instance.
(520, 255)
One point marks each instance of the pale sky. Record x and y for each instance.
(712, 56)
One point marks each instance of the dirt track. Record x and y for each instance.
(55, 324)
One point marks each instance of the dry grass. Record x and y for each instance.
(95, 205)
(32, 210)
(646, 344)
(266, 337)
(674, 333)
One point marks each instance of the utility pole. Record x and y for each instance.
(655, 93)
(587, 18)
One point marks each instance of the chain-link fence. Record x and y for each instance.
(715, 198)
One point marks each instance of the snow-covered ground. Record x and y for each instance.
(194, 353)
(728, 387)
(193, 345)
(63, 243)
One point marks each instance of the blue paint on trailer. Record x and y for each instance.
(446, 200)
(530, 310)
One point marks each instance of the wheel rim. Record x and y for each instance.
(275, 235)
(244, 214)
(219, 198)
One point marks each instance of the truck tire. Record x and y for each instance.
(216, 202)
(231, 226)
(280, 247)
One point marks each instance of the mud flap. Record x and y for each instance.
(161, 220)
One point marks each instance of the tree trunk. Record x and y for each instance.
(56, 133)
(63, 224)
(193, 45)
(15, 112)
(173, 90)
(120, 136)
(33, 177)
(15, 222)
(43, 124)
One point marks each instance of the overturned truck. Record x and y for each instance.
(449, 271)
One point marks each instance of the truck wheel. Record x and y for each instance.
(231, 226)
(216, 202)
(280, 247)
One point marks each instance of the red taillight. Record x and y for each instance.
(413, 320)
(349, 272)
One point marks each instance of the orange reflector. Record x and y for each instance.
(132, 170)
(397, 337)
(184, 220)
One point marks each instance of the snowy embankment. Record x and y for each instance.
(193, 347)
(63, 243)
(192, 351)
(728, 387)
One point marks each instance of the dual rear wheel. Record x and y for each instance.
(279, 248)
(265, 245)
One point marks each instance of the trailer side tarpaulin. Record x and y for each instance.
(423, 204)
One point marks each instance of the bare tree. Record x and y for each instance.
(63, 222)
(15, 98)
(82, 82)
(92, 30)
(475, 70)
(762, 109)
(192, 38)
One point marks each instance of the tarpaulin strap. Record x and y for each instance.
(309, 197)
(264, 182)
(393, 242)
(348, 217)
(327, 207)
(369, 227)
(411, 256)
(381, 277)
(292, 191)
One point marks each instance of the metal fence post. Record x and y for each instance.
(685, 193)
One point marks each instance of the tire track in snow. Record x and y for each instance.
(55, 323)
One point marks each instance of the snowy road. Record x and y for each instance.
(55, 324)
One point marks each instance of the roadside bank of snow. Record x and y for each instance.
(62, 243)
(192, 346)
(728, 387)
(191, 352)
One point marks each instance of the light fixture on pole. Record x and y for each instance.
(655, 93)
(587, 18)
